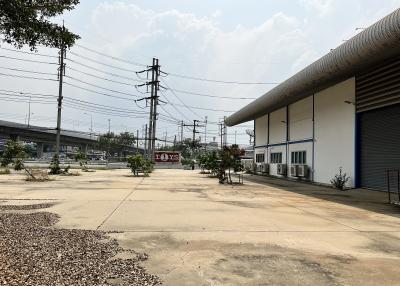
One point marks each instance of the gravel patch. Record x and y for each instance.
(25, 207)
(32, 252)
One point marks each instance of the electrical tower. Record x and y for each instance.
(154, 85)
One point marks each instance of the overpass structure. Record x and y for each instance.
(44, 135)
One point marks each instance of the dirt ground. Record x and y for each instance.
(197, 232)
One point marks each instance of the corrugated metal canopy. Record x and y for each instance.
(378, 43)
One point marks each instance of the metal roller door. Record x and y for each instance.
(380, 145)
(378, 108)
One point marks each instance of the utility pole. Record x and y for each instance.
(109, 138)
(165, 142)
(29, 111)
(137, 141)
(221, 133)
(61, 73)
(145, 140)
(175, 143)
(225, 132)
(156, 85)
(182, 131)
(235, 137)
(205, 135)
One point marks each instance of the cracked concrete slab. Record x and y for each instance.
(198, 232)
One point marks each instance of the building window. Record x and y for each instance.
(260, 158)
(299, 157)
(276, 158)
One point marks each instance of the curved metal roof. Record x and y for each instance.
(378, 43)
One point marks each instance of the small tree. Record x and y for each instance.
(138, 163)
(55, 168)
(340, 180)
(14, 154)
(229, 159)
(82, 159)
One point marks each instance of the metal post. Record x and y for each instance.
(60, 97)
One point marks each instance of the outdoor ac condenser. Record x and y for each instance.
(266, 168)
(282, 169)
(302, 171)
(259, 168)
(294, 170)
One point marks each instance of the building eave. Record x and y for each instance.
(376, 44)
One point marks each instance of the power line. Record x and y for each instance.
(191, 110)
(26, 60)
(27, 77)
(101, 63)
(102, 71)
(100, 87)
(28, 53)
(28, 71)
(213, 96)
(203, 108)
(111, 57)
(97, 92)
(219, 81)
(102, 78)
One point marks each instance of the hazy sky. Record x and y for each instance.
(230, 40)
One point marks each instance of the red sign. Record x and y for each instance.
(167, 157)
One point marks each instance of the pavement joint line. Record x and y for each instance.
(118, 206)
(321, 216)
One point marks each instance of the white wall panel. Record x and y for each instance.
(261, 130)
(335, 131)
(300, 119)
(278, 126)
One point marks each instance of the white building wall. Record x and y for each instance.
(300, 119)
(261, 132)
(278, 126)
(335, 131)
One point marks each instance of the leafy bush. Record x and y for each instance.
(139, 164)
(55, 168)
(14, 153)
(81, 158)
(340, 180)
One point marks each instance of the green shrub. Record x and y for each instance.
(340, 180)
(55, 168)
(139, 164)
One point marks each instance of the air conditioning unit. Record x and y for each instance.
(293, 170)
(259, 168)
(282, 169)
(302, 171)
(265, 168)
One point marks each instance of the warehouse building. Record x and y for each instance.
(342, 111)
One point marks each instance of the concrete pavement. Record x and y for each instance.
(198, 232)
